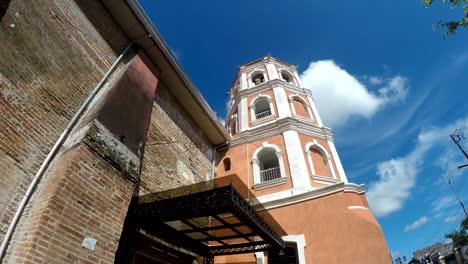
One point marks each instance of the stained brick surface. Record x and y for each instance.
(177, 152)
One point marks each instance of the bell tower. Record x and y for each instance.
(279, 144)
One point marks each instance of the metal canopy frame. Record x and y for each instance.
(217, 221)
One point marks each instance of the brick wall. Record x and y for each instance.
(41, 83)
(177, 152)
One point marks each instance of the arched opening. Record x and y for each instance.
(286, 76)
(319, 162)
(227, 164)
(258, 78)
(300, 108)
(262, 108)
(269, 165)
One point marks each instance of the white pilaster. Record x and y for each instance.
(337, 160)
(297, 163)
(315, 111)
(243, 81)
(272, 72)
(243, 115)
(256, 171)
(281, 102)
(299, 81)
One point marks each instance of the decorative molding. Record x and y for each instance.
(277, 127)
(263, 120)
(354, 207)
(288, 197)
(325, 180)
(268, 184)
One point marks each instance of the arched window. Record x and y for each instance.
(268, 164)
(227, 164)
(300, 108)
(286, 76)
(258, 78)
(319, 160)
(262, 108)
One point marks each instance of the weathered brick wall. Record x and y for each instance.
(51, 58)
(82, 195)
(177, 152)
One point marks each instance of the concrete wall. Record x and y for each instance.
(333, 232)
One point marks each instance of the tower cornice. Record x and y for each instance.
(280, 126)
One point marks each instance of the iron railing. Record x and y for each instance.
(270, 174)
(263, 114)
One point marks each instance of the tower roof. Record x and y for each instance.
(267, 56)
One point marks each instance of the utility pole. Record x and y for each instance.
(459, 200)
(457, 137)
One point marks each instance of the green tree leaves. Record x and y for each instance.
(451, 26)
(460, 237)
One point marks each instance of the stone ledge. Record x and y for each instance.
(108, 147)
(268, 184)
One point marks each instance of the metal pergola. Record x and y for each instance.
(208, 221)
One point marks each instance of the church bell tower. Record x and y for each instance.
(279, 143)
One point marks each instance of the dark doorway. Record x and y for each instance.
(288, 255)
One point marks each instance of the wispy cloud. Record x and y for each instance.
(451, 218)
(397, 177)
(443, 203)
(416, 224)
(341, 97)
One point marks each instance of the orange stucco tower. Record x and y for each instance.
(282, 151)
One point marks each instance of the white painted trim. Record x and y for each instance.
(315, 111)
(337, 160)
(242, 115)
(272, 73)
(325, 155)
(298, 79)
(324, 180)
(300, 242)
(260, 258)
(289, 197)
(244, 84)
(353, 207)
(277, 127)
(297, 165)
(281, 102)
(268, 184)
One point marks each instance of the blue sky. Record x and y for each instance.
(399, 89)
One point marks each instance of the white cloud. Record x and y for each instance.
(416, 224)
(375, 80)
(452, 218)
(397, 177)
(340, 96)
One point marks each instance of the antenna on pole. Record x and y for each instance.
(456, 138)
